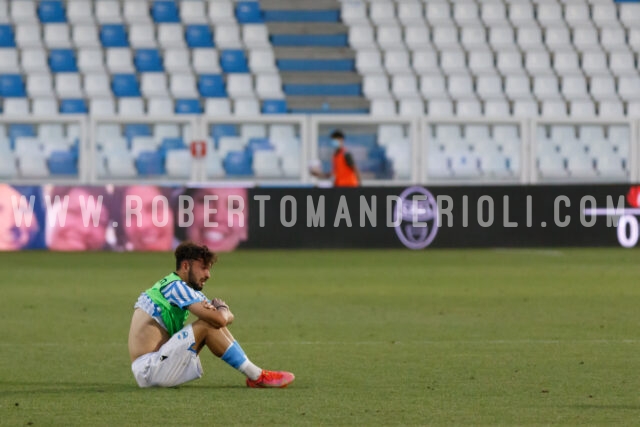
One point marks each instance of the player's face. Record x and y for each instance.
(199, 273)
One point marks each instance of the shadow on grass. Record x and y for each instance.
(21, 388)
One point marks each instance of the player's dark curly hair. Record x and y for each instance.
(187, 251)
(337, 134)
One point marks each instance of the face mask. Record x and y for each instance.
(335, 143)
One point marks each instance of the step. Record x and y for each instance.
(320, 77)
(327, 102)
(284, 52)
(307, 28)
(299, 5)
(338, 89)
(330, 65)
(337, 40)
(301, 15)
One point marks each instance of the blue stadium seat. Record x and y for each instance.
(256, 144)
(7, 38)
(63, 163)
(212, 86)
(248, 12)
(125, 85)
(234, 61)
(171, 144)
(12, 86)
(20, 129)
(165, 11)
(73, 106)
(50, 11)
(63, 61)
(114, 35)
(274, 106)
(188, 106)
(136, 129)
(148, 60)
(199, 36)
(150, 163)
(222, 129)
(237, 163)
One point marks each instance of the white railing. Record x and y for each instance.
(310, 128)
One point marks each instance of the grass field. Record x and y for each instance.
(482, 337)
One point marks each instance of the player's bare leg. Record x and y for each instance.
(222, 344)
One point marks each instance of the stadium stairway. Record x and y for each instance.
(312, 54)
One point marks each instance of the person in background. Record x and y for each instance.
(345, 172)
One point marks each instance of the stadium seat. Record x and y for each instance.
(57, 36)
(107, 12)
(62, 61)
(62, 163)
(206, 61)
(212, 85)
(23, 12)
(85, 36)
(183, 86)
(248, 12)
(188, 106)
(161, 106)
(233, 61)
(198, 35)
(148, 60)
(125, 85)
(178, 164)
(143, 36)
(27, 36)
(113, 35)
(97, 85)
(165, 11)
(171, 36)
(246, 107)
(11, 85)
(228, 36)
(129, 107)
(51, 11)
(34, 60)
(237, 163)
(73, 106)
(47, 106)
(193, 12)
(39, 85)
(80, 12)
(7, 38)
(217, 107)
(268, 86)
(136, 12)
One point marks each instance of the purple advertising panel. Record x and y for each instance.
(157, 218)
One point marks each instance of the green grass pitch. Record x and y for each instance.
(436, 337)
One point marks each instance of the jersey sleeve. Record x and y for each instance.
(180, 294)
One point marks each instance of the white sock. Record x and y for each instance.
(250, 370)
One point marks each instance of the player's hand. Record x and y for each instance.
(218, 303)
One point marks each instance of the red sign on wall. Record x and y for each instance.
(198, 149)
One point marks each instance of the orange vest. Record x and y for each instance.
(344, 175)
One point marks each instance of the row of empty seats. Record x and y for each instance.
(490, 12)
(132, 12)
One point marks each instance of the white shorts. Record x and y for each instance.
(175, 363)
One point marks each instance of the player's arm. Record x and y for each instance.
(216, 317)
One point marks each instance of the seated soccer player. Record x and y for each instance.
(164, 352)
